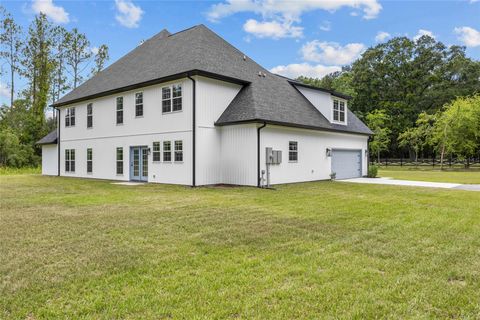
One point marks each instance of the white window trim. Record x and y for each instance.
(170, 151)
(90, 103)
(296, 151)
(135, 103)
(170, 86)
(91, 150)
(175, 151)
(118, 161)
(346, 111)
(123, 110)
(159, 151)
(70, 118)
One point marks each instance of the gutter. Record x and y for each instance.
(58, 141)
(258, 152)
(193, 128)
(290, 125)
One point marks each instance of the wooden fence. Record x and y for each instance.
(432, 162)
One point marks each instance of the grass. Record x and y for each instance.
(6, 171)
(467, 176)
(73, 248)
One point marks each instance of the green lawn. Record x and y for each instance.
(471, 176)
(72, 248)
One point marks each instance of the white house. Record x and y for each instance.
(189, 108)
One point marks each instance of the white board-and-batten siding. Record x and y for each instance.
(106, 135)
(49, 159)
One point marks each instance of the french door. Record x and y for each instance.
(139, 163)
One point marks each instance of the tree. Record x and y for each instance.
(78, 52)
(377, 121)
(11, 43)
(406, 77)
(419, 137)
(457, 130)
(101, 57)
(38, 66)
(59, 79)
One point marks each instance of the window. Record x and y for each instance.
(167, 151)
(156, 151)
(89, 116)
(119, 110)
(69, 160)
(119, 160)
(172, 98)
(338, 111)
(70, 117)
(293, 151)
(178, 151)
(89, 160)
(166, 100)
(139, 104)
(177, 97)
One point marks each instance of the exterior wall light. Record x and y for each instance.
(329, 152)
(149, 150)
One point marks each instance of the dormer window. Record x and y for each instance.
(339, 111)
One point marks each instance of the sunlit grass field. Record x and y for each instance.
(457, 175)
(73, 248)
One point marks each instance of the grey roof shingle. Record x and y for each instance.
(50, 138)
(272, 98)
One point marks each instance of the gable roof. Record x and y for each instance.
(198, 50)
(50, 138)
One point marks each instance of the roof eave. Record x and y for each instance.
(291, 125)
(186, 74)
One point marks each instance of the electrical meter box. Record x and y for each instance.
(273, 156)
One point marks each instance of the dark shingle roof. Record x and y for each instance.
(271, 98)
(50, 138)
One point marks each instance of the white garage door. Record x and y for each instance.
(347, 163)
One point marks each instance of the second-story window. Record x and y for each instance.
(89, 115)
(139, 104)
(70, 117)
(338, 110)
(172, 98)
(119, 110)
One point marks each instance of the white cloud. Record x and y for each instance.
(469, 36)
(331, 53)
(56, 13)
(291, 10)
(281, 14)
(272, 29)
(423, 32)
(326, 26)
(4, 90)
(304, 69)
(382, 36)
(129, 15)
(94, 50)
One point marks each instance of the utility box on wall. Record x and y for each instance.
(273, 156)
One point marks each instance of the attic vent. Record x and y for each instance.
(259, 73)
(244, 58)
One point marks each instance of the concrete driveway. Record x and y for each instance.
(411, 183)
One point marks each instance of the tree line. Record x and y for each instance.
(420, 97)
(50, 60)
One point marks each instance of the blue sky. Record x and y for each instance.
(311, 37)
